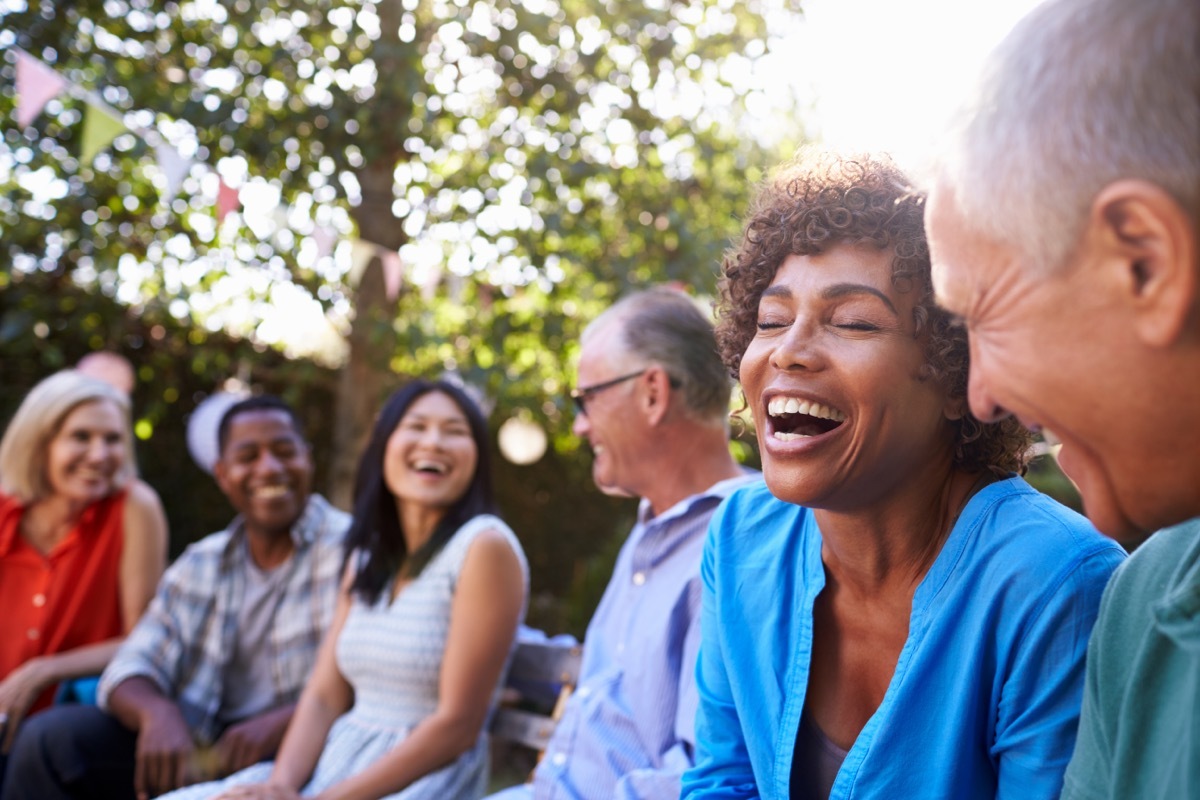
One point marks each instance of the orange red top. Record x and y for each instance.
(63, 599)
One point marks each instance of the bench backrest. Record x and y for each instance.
(540, 681)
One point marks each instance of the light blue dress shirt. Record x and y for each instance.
(985, 698)
(628, 731)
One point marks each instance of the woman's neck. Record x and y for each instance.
(418, 523)
(892, 544)
(48, 521)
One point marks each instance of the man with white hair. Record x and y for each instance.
(1063, 230)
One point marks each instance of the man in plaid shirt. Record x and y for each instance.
(206, 682)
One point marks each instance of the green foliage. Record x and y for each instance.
(541, 157)
(48, 323)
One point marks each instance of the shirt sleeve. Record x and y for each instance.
(1088, 773)
(1040, 701)
(722, 761)
(154, 648)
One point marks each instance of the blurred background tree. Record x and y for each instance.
(530, 162)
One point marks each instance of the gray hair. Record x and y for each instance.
(665, 327)
(25, 446)
(1080, 94)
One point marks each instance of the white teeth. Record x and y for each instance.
(791, 405)
(270, 491)
(435, 466)
(789, 437)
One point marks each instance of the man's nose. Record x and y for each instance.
(581, 425)
(984, 405)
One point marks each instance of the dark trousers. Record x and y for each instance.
(71, 751)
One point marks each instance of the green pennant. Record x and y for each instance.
(99, 128)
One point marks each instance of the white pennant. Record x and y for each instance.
(174, 168)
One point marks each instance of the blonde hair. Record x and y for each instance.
(24, 448)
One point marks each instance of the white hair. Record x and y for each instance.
(1080, 94)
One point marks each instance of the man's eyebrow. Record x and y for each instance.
(844, 289)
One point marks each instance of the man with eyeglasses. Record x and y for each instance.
(653, 404)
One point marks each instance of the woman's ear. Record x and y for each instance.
(955, 408)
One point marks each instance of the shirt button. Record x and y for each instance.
(560, 759)
(33, 633)
(584, 692)
(639, 578)
(39, 600)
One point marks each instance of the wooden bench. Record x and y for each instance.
(540, 681)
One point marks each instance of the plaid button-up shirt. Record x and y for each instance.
(186, 639)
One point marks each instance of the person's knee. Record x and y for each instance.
(38, 739)
(47, 748)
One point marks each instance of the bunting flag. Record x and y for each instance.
(361, 253)
(389, 260)
(37, 85)
(227, 200)
(174, 168)
(325, 239)
(430, 281)
(99, 129)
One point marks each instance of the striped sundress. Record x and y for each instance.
(391, 654)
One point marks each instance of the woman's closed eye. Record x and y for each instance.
(857, 325)
(772, 323)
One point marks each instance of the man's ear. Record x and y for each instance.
(1151, 242)
(221, 475)
(657, 395)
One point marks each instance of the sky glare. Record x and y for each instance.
(884, 74)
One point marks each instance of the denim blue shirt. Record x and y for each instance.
(628, 731)
(986, 694)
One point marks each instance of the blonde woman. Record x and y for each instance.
(82, 541)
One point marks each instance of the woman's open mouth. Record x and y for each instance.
(791, 418)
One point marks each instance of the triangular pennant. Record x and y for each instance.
(361, 253)
(174, 168)
(99, 129)
(324, 238)
(392, 270)
(430, 281)
(227, 200)
(37, 85)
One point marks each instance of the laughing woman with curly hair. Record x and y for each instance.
(895, 613)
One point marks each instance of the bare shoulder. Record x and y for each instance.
(494, 554)
(144, 516)
(491, 542)
(142, 496)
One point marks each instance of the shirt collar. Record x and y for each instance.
(11, 510)
(303, 531)
(718, 491)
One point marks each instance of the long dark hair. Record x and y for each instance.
(376, 529)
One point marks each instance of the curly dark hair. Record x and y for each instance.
(820, 200)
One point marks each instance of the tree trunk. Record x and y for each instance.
(366, 377)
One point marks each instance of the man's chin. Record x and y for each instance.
(611, 489)
(1100, 503)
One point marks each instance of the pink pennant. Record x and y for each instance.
(325, 239)
(37, 85)
(392, 271)
(227, 200)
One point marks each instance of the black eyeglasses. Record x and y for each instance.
(584, 393)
